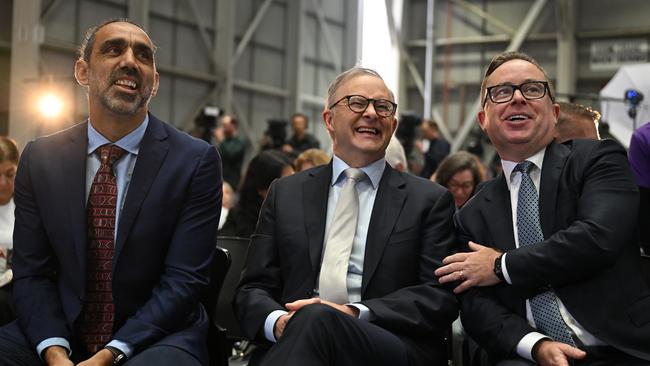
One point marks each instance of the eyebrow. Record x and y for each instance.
(121, 42)
(511, 83)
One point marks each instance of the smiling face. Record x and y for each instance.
(359, 138)
(120, 74)
(518, 128)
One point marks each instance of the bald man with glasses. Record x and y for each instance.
(553, 272)
(340, 268)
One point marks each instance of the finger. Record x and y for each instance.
(458, 257)
(572, 352)
(475, 247)
(294, 306)
(452, 277)
(466, 285)
(448, 269)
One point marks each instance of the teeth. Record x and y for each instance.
(517, 117)
(367, 129)
(129, 83)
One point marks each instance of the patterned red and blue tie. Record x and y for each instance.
(95, 325)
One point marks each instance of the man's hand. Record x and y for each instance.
(102, 358)
(56, 356)
(292, 307)
(475, 268)
(280, 324)
(550, 353)
(350, 310)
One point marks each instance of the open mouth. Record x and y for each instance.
(518, 117)
(130, 84)
(368, 130)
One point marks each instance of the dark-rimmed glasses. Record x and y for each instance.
(359, 104)
(504, 93)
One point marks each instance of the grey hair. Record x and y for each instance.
(347, 75)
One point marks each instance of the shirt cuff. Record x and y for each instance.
(526, 344)
(54, 341)
(123, 347)
(364, 312)
(504, 270)
(269, 324)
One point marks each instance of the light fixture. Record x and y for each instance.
(50, 106)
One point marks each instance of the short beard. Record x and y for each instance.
(121, 106)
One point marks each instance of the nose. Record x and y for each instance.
(128, 58)
(370, 111)
(518, 96)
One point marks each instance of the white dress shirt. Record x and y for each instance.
(525, 345)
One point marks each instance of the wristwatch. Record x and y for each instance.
(118, 356)
(497, 268)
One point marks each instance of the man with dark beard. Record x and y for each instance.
(115, 220)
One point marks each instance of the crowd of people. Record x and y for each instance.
(362, 255)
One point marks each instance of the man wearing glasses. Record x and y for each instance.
(340, 268)
(553, 275)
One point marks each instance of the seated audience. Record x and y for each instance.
(263, 169)
(310, 158)
(576, 122)
(435, 147)
(552, 273)
(300, 140)
(339, 270)
(9, 156)
(460, 172)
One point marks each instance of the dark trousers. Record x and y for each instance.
(596, 356)
(321, 335)
(15, 350)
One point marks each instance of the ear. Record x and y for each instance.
(393, 126)
(328, 116)
(156, 84)
(481, 119)
(81, 72)
(556, 111)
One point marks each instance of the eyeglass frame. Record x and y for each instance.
(547, 89)
(370, 100)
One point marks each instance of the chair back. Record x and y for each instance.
(218, 350)
(225, 315)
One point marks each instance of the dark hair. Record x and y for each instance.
(8, 150)
(300, 115)
(457, 162)
(86, 47)
(502, 58)
(432, 124)
(262, 170)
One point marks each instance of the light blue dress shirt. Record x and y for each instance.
(123, 171)
(367, 190)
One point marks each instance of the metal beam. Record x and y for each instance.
(565, 11)
(139, 12)
(251, 30)
(49, 8)
(223, 49)
(489, 18)
(293, 67)
(327, 34)
(200, 24)
(515, 44)
(428, 63)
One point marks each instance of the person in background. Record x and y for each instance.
(232, 148)
(310, 158)
(639, 157)
(263, 169)
(9, 157)
(576, 122)
(437, 148)
(460, 172)
(395, 155)
(227, 202)
(301, 140)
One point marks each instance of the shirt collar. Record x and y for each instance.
(373, 170)
(508, 166)
(130, 142)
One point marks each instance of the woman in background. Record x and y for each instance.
(311, 158)
(460, 172)
(9, 156)
(261, 171)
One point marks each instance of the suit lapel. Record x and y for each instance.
(554, 160)
(73, 165)
(316, 193)
(386, 209)
(151, 154)
(497, 214)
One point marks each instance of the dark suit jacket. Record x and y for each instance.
(410, 232)
(164, 245)
(590, 256)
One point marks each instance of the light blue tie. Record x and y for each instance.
(546, 312)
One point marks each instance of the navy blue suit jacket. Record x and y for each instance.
(164, 245)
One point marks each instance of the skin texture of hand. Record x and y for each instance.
(292, 307)
(56, 356)
(475, 268)
(550, 353)
(101, 358)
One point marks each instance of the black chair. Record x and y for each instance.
(218, 348)
(225, 315)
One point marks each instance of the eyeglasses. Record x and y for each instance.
(530, 90)
(465, 186)
(359, 104)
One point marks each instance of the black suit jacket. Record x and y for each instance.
(410, 232)
(164, 245)
(588, 206)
